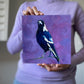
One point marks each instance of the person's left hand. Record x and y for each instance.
(55, 67)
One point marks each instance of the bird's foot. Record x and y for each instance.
(49, 56)
(41, 57)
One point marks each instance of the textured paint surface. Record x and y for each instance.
(59, 27)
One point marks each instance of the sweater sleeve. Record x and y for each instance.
(14, 43)
(79, 27)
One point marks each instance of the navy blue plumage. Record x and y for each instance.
(45, 40)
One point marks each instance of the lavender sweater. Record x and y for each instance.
(48, 7)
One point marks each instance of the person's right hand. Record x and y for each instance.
(55, 67)
(32, 11)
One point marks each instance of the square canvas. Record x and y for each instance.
(46, 39)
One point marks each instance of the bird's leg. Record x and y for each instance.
(42, 56)
(49, 54)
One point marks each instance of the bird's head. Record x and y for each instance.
(40, 23)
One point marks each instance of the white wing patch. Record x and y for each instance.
(51, 49)
(51, 41)
(44, 28)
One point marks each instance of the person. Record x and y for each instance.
(47, 73)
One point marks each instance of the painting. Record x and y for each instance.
(46, 39)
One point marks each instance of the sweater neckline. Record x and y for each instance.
(49, 1)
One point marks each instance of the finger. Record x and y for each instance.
(66, 66)
(35, 10)
(30, 11)
(63, 65)
(47, 66)
(52, 65)
(25, 13)
(56, 69)
(40, 65)
(59, 65)
(41, 13)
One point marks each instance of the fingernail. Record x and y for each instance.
(43, 64)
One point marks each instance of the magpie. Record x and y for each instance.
(45, 40)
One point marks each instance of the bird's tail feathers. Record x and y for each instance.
(54, 53)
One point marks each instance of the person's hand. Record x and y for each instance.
(54, 67)
(32, 11)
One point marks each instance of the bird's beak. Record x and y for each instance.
(40, 22)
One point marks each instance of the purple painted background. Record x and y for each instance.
(59, 27)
